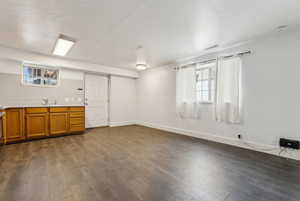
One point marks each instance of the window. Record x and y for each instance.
(205, 82)
(39, 75)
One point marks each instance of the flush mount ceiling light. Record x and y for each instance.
(141, 66)
(63, 45)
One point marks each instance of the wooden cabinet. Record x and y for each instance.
(59, 123)
(2, 126)
(14, 129)
(37, 124)
(36, 110)
(77, 109)
(40, 122)
(77, 119)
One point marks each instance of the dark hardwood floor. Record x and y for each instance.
(135, 163)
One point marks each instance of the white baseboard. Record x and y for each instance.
(274, 150)
(123, 123)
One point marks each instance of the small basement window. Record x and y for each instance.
(40, 75)
(205, 85)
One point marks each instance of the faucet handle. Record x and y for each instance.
(45, 101)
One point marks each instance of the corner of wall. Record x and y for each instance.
(123, 123)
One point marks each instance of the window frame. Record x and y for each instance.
(211, 66)
(43, 68)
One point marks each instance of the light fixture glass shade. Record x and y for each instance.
(141, 66)
(63, 45)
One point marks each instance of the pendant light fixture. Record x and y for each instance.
(141, 63)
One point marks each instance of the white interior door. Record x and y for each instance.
(96, 99)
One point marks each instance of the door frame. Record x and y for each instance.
(108, 92)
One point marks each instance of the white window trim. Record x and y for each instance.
(41, 66)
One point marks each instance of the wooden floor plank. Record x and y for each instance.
(136, 163)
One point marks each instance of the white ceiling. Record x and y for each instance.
(109, 31)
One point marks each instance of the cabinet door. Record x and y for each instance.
(14, 125)
(37, 125)
(59, 123)
(2, 125)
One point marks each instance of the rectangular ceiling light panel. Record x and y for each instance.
(63, 45)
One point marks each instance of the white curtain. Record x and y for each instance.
(186, 100)
(229, 90)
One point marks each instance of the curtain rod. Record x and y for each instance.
(212, 60)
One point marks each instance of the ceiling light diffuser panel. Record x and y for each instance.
(63, 45)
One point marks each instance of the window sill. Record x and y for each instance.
(206, 102)
(40, 85)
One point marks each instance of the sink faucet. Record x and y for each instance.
(45, 101)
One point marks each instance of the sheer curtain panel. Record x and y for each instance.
(186, 99)
(229, 90)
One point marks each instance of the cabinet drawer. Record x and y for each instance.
(77, 109)
(77, 128)
(76, 114)
(59, 109)
(37, 110)
(76, 120)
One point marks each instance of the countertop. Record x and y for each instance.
(26, 106)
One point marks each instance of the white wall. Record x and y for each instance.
(20, 56)
(123, 92)
(71, 73)
(123, 103)
(271, 98)
(13, 93)
(15, 67)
